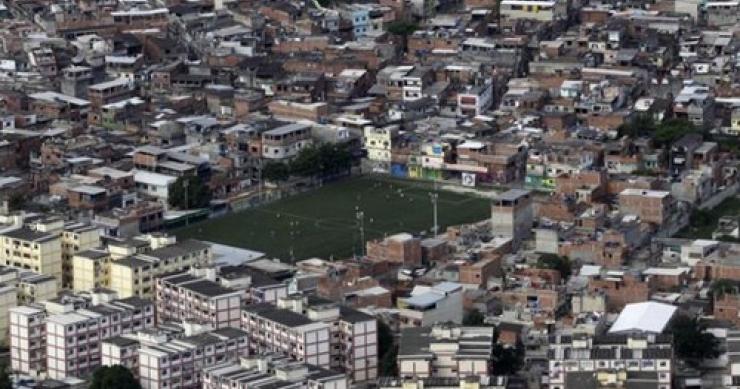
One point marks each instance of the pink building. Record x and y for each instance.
(283, 331)
(28, 340)
(73, 338)
(183, 296)
(179, 363)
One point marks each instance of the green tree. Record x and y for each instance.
(389, 364)
(5, 382)
(17, 201)
(555, 262)
(387, 350)
(113, 377)
(671, 130)
(276, 171)
(640, 125)
(307, 163)
(701, 218)
(663, 133)
(401, 28)
(334, 159)
(474, 318)
(189, 192)
(692, 342)
(507, 360)
(724, 286)
(325, 160)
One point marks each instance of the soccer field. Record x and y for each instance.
(323, 222)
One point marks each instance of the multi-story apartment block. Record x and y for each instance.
(21, 287)
(73, 338)
(378, 142)
(731, 377)
(259, 286)
(429, 305)
(124, 349)
(179, 363)
(271, 371)
(184, 296)
(493, 382)
(142, 217)
(109, 92)
(543, 11)
(154, 185)
(475, 100)
(512, 215)
(446, 351)
(76, 237)
(91, 270)
(28, 340)
(38, 251)
(403, 249)
(120, 350)
(33, 287)
(583, 361)
(47, 245)
(354, 338)
(283, 331)
(135, 276)
(652, 206)
(285, 142)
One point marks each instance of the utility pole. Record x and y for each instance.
(360, 215)
(434, 197)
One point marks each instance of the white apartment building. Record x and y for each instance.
(378, 143)
(155, 185)
(285, 142)
(354, 338)
(582, 361)
(731, 378)
(73, 338)
(121, 350)
(446, 351)
(271, 372)
(429, 305)
(277, 330)
(179, 363)
(124, 349)
(512, 215)
(475, 100)
(28, 340)
(259, 286)
(183, 296)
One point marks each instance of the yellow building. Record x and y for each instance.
(37, 251)
(18, 287)
(76, 237)
(91, 269)
(378, 142)
(134, 276)
(8, 299)
(34, 288)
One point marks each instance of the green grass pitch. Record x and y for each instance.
(323, 223)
